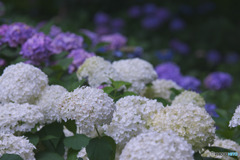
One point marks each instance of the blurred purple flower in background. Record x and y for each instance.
(164, 55)
(91, 35)
(213, 57)
(54, 31)
(186, 9)
(66, 42)
(3, 29)
(37, 48)
(151, 22)
(177, 24)
(179, 46)
(101, 18)
(2, 62)
(232, 58)
(17, 33)
(116, 41)
(134, 11)
(102, 29)
(149, 8)
(218, 80)
(189, 83)
(211, 109)
(162, 13)
(79, 56)
(168, 70)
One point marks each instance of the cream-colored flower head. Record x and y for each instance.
(191, 122)
(21, 83)
(98, 71)
(161, 88)
(130, 117)
(136, 71)
(10, 144)
(223, 143)
(157, 146)
(88, 107)
(187, 97)
(19, 117)
(49, 102)
(235, 121)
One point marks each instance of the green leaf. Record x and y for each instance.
(102, 148)
(118, 84)
(33, 138)
(101, 44)
(108, 90)
(197, 156)
(59, 56)
(72, 154)
(176, 91)
(76, 142)
(48, 156)
(128, 93)
(218, 149)
(210, 158)
(71, 125)
(48, 137)
(64, 63)
(10, 157)
(162, 100)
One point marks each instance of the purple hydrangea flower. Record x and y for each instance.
(168, 70)
(115, 41)
(79, 56)
(2, 62)
(101, 18)
(35, 63)
(37, 48)
(164, 55)
(66, 42)
(232, 58)
(162, 13)
(149, 8)
(177, 24)
(3, 29)
(54, 31)
(189, 83)
(18, 33)
(151, 22)
(91, 35)
(134, 11)
(40, 25)
(211, 109)
(213, 57)
(179, 46)
(218, 80)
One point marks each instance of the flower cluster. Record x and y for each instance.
(22, 83)
(130, 118)
(49, 101)
(89, 107)
(10, 144)
(17, 33)
(37, 48)
(157, 146)
(19, 117)
(191, 122)
(218, 80)
(235, 121)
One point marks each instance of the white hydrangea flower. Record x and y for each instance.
(136, 71)
(88, 107)
(49, 102)
(19, 117)
(83, 154)
(188, 121)
(161, 88)
(21, 83)
(187, 97)
(10, 144)
(157, 146)
(130, 117)
(235, 121)
(98, 71)
(223, 143)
